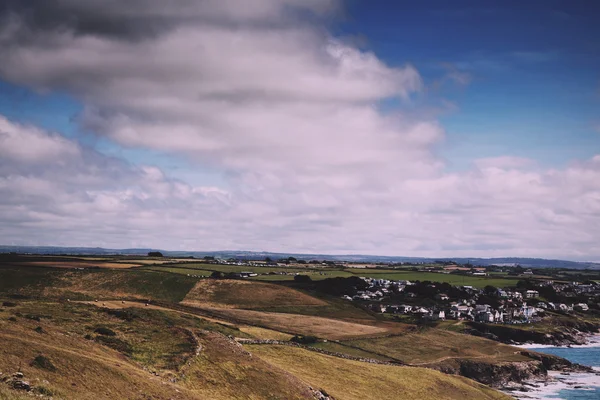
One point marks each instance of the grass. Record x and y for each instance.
(339, 347)
(246, 294)
(179, 270)
(315, 275)
(353, 380)
(453, 279)
(140, 284)
(324, 273)
(430, 346)
(302, 324)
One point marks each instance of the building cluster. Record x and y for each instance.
(512, 306)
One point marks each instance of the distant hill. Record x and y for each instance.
(256, 255)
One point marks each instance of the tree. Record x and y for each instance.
(155, 254)
(216, 275)
(489, 290)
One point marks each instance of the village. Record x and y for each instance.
(435, 301)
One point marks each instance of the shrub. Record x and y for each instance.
(9, 304)
(13, 319)
(43, 362)
(44, 391)
(304, 339)
(102, 330)
(39, 329)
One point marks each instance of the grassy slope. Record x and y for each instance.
(247, 295)
(432, 346)
(156, 341)
(349, 380)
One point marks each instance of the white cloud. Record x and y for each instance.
(289, 114)
(29, 144)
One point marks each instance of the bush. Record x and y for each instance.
(13, 319)
(102, 330)
(44, 391)
(43, 362)
(217, 275)
(304, 339)
(155, 254)
(9, 304)
(39, 329)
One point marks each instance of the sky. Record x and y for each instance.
(431, 128)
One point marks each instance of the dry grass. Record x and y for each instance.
(79, 264)
(117, 305)
(432, 346)
(306, 325)
(246, 294)
(87, 369)
(353, 380)
(267, 334)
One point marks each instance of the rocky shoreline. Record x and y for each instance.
(554, 383)
(500, 375)
(577, 334)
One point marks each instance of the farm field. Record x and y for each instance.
(463, 280)
(353, 380)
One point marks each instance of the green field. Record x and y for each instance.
(324, 273)
(453, 279)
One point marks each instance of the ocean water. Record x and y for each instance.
(570, 386)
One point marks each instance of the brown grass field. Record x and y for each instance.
(246, 294)
(433, 346)
(326, 328)
(353, 380)
(79, 264)
(150, 357)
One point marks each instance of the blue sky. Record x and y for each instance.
(430, 128)
(533, 72)
(534, 68)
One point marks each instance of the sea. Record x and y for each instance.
(568, 386)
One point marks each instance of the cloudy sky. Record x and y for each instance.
(438, 129)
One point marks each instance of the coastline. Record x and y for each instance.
(592, 340)
(558, 381)
(555, 383)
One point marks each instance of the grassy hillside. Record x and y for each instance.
(92, 353)
(353, 380)
(247, 295)
(430, 346)
(181, 345)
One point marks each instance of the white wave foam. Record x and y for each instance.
(557, 382)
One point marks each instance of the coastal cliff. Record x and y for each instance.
(574, 334)
(502, 374)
